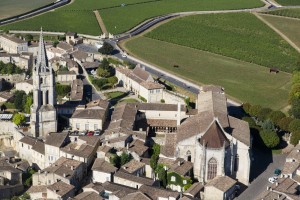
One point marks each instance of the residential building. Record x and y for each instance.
(220, 188)
(66, 76)
(103, 171)
(90, 117)
(5, 96)
(131, 180)
(73, 39)
(26, 86)
(12, 44)
(77, 91)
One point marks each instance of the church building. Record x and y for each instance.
(43, 113)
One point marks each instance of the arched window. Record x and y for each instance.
(236, 163)
(212, 168)
(188, 156)
(41, 80)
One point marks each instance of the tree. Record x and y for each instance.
(295, 137)
(268, 125)
(29, 102)
(125, 158)
(275, 116)
(112, 80)
(284, 123)
(294, 92)
(296, 77)
(115, 160)
(295, 107)
(254, 110)
(155, 156)
(246, 107)
(103, 72)
(129, 64)
(19, 118)
(62, 90)
(263, 114)
(106, 49)
(55, 43)
(104, 64)
(28, 37)
(19, 99)
(294, 125)
(162, 175)
(187, 101)
(270, 138)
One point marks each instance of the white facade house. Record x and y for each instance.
(26, 86)
(12, 44)
(103, 171)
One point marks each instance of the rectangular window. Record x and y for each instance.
(86, 126)
(77, 125)
(96, 126)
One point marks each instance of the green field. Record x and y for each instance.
(79, 17)
(10, 8)
(237, 35)
(244, 81)
(289, 27)
(122, 19)
(293, 12)
(288, 2)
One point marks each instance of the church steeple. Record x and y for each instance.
(42, 60)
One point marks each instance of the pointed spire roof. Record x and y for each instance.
(42, 60)
(214, 137)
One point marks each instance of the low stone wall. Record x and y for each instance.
(13, 78)
(172, 98)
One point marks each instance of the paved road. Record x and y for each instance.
(263, 167)
(34, 12)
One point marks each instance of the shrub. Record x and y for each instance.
(103, 72)
(112, 80)
(106, 49)
(270, 138)
(263, 114)
(284, 123)
(294, 92)
(142, 98)
(250, 121)
(295, 107)
(254, 110)
(162, 175)
(294, 125)
(125, 158)
(18, 118)
(62, 90)
(276, 116)
(295, 137)
(19, 99)
(268, 125)
(246, 107)
(162, 101)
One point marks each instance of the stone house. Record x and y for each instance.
(38, 155)
(57, 62)
(195, 191)
(12, 44)
(66, 170)
(138, 149)
(66, 76)
(60, 190)
(63, 46)
(134, 167)
(157, 193)
(5, 96)
(103, 171)
(25, 148)
(73, 39)
(77, 91)
(22, 60)
(33, 47)
(53, 52)
(91, 117)
(131, 180)
(81, 57)
(220, 188)
(26, 86)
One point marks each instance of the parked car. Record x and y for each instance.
(97, 133)
(82, 133)
(90, 133)
(76, 132)
(272, 179)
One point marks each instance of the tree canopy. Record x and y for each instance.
(270, 138)
(18, 118)
(106, 49)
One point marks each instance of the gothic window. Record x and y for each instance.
(41, 80)
(47, 97)
(188, 156)
(236, 163)
(212, 168)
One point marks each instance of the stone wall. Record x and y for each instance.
(13, 78)
(173, 98)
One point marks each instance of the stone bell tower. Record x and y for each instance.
(43, 113)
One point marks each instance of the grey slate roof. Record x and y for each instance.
(56, 139)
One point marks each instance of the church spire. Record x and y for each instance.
(42, 60)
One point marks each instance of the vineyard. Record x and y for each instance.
(289, 27)
(288, 2)
(9, 8)
(238, 35)
(243, 81)
(294, 13)
(119, 15)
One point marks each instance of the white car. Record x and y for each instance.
(272, 179)
(124, 55)
(97, 133)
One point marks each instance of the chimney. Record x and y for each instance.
(127, 145)
(268, 187)
(64, 175)
(178, 113)
(72, 167)
(276, 183)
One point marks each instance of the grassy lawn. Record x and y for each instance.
(129, 100)
(288, 2)
(289, 27)
(293, 12)
(244, 81)
(237, 35)
(121, 19)
(79, 17)
(10, 8)
(115, 95)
